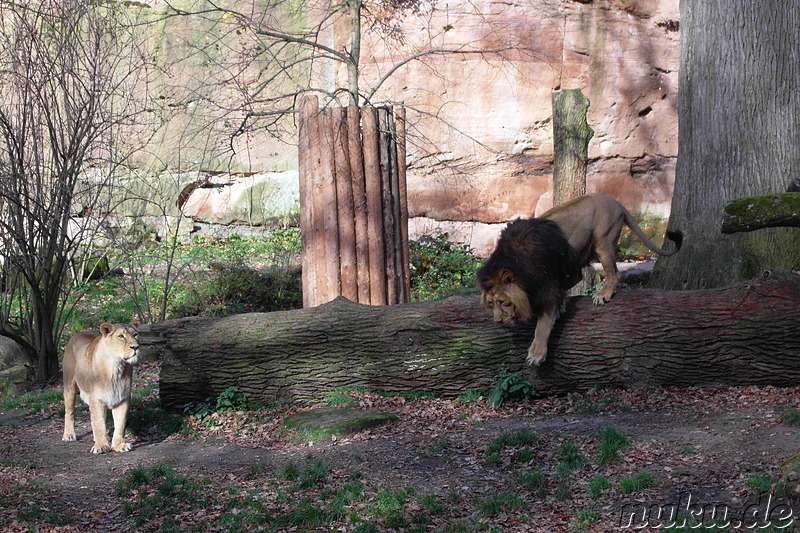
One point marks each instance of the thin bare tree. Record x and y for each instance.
(68, 78)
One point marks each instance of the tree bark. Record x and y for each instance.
(758, 212)
(739, 110)
(571, 135)
(739, 335)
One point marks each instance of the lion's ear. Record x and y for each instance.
(508, 277)
(135, 323)
(106, 328)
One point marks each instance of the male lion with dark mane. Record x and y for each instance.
(528, 275)
(99, 367)
(537, 260)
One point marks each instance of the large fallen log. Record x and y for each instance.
(738, 335)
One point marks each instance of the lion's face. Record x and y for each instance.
(505, 298)
(121, 340)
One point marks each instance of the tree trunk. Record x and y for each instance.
(571, 135)
(739, 110)
(738, 335)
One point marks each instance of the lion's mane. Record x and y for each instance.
(532, 260)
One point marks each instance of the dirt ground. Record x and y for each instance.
(702, 446)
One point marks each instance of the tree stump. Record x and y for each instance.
(571, 135)
(744, 334)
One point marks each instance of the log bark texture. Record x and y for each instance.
(738, 335)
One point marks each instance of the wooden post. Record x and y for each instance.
(310, 229)
(328, 288)
(344, 205)
(372, 180)
(354, 214)
(387, 201)
(400, 118)
(359, 203)
(571, 135)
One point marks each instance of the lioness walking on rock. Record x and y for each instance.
(100, 368)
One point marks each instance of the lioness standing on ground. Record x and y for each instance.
(100, 368)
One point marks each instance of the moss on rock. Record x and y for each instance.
(327, 422)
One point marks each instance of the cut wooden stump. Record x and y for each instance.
(745, 334)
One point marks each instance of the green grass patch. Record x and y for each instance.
(585, 520)
(157, 491)
(34, 402)
(636, 483)
(759, 483)
(340, 397)
(470, 396)
(503, 501)
(791, 417)
(531, 480)
(571, 457)
(493, 455)
(611, 441)
(598, 486)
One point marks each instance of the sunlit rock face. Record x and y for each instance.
(492, 159)
(480, 147)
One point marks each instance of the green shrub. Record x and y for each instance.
(510, 386)
(440, 267)
(235, 287)
(228, 400)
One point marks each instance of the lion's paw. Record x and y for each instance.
(536, 355)
(100, 449)
(124, 447)
(600, 299)
(68, 437)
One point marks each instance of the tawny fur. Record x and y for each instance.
(592, 225)
(100, 369)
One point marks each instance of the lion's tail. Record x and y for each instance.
(675, 236)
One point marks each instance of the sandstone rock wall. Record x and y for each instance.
(489, 159)
(480, 133)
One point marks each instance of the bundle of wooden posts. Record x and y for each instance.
(353, 207)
